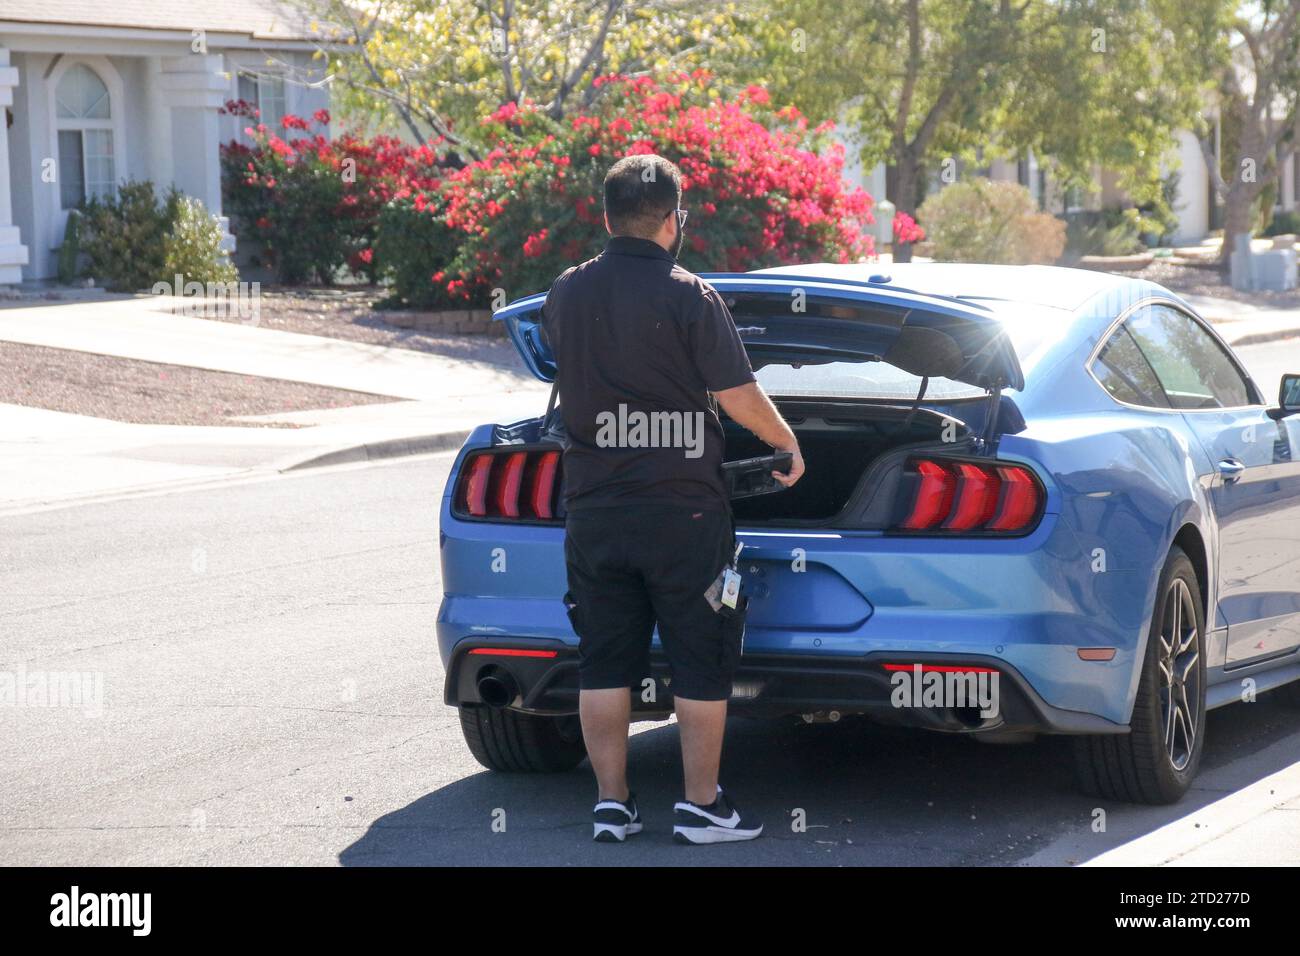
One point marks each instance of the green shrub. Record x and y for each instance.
(193, 246)
(1284, 223)
(1157, 220)
(124, 236)
(978, 220)
(1110, 232)
(70, 249)
(413, 245)
(132, 240)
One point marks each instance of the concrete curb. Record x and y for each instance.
(388, 448)
(1261, 338)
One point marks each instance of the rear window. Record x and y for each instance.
(857, 380)
(1031, 331)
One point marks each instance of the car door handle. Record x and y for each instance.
(1231, 469)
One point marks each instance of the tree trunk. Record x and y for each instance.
(1239, 203)
(907, 173)
(1238, 210)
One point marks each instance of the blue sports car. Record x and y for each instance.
(1037, 500)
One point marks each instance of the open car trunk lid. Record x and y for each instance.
(800, 319)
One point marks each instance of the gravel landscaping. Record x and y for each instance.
(1193, 280)
(127, 390)
(343, 313)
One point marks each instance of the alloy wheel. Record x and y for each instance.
(1180, 675)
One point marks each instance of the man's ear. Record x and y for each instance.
(607, 227)
(670, 229)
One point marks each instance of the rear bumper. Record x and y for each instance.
(828, 608)
(780, 684)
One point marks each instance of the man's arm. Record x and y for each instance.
(721, 361)
(749, 406)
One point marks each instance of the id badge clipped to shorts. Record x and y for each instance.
(724, 594)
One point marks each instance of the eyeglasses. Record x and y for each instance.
(681, 216)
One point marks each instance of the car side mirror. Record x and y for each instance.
(1288, 396)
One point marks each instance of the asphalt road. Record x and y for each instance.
(271, 694)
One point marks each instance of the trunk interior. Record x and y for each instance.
(839, 441)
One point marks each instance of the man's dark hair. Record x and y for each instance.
(640, 191)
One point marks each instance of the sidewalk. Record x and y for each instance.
(143, 328)
(1243, 324)
(49, 457)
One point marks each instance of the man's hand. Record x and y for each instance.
(788, 478)
(749, 406)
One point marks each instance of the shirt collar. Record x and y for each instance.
(635, 246)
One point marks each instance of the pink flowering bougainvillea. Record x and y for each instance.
(762, 188)
(310, 205)
(906, 228)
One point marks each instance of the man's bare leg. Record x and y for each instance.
(702, 724)
(605, 716)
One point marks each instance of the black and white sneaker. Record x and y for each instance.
(719, 822)
(615, 820)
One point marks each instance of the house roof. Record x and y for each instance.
(261, 19)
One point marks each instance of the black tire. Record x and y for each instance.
(512, 742)
(1150, 764)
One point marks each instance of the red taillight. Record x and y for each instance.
(476, 485)
(509, 477)
(510, 484)
(542, 488)
(1019, 501)
(963, 497)
(933, 496)
(977, 497)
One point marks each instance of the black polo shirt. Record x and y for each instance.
(639, 344)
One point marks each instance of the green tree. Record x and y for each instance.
(1084, 82)
(439, 66)
(1258, 98)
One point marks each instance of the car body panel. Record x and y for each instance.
(795, 333)
(1122, 486)
(1259, 521)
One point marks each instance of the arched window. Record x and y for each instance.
(83, 116)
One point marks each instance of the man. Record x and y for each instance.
(640, 344)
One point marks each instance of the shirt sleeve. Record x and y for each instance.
(546, 315)
(715, 345)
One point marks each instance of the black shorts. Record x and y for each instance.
(633, 567)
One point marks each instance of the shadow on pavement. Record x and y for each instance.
(870, 796)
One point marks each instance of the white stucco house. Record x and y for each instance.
(96, 93)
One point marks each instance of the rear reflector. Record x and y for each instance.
(964, 497)
(942, 668)
(512, 652)
(509, 484)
